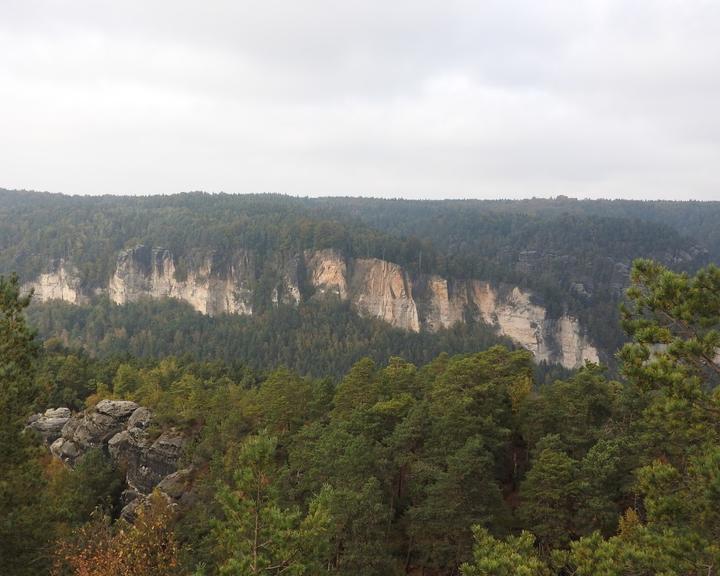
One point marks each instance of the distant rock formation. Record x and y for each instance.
(375, 288)
(61, 281)
(327, 272)
(384, 290)
(142, 272)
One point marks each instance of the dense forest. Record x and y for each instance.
(322, 338)
(574, 256)
(462, 464)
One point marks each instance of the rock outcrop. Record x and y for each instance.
(122, 429)
(144, 272)
(384, 290)
(50, 424)
(327, 272)
(375, 288)
(92, 429)
(61, 281)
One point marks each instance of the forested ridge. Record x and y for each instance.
(574, 256)
(465, 464)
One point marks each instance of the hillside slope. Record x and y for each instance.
(546, 278)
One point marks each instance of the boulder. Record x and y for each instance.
(140, 418)
(177, 484)
(129, 510)
(50, 424)
(66, 450)
(118, 409)
(95, 427)
(176, 488)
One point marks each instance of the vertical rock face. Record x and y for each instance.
(574, 348)
(327, 272)
(383, 290)
(60, 282)
(287, 288)
(441, 303)
(132, 275)
(522, 321)
(143, 272)
(375, 288)
(513, 315)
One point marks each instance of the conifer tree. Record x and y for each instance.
(24, 532)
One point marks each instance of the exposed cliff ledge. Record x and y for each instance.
(384, 290)
(60, 282)
(429, 302)
(287, 280)
(327, 272)
(375, 288)
(142, 272)
(444, 304)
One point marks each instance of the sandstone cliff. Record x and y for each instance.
(61, 281)
(142, 272)
(287, 276)
(327, 272)
(444, 303)
(384, 290)
(375, 288)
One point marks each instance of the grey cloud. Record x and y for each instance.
(420, 99)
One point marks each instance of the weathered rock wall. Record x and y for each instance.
(144, 272)
(327, 272)
(121, 429)
(60, 282)
(375, 288)
(384, 290)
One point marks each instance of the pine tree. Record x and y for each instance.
(257, 535)
(24, 521)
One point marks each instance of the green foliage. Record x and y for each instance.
(126, 381)
(24, 512)
(256, 535)
(675, 323)
(93, 484)
(573, 255)
(576, 409)
(644, 551)
(358, 390)
(550, 495)
(650, 446)
(322, 338)
(462, 465)
(515, 556)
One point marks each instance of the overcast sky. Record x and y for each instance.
(416, 98)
